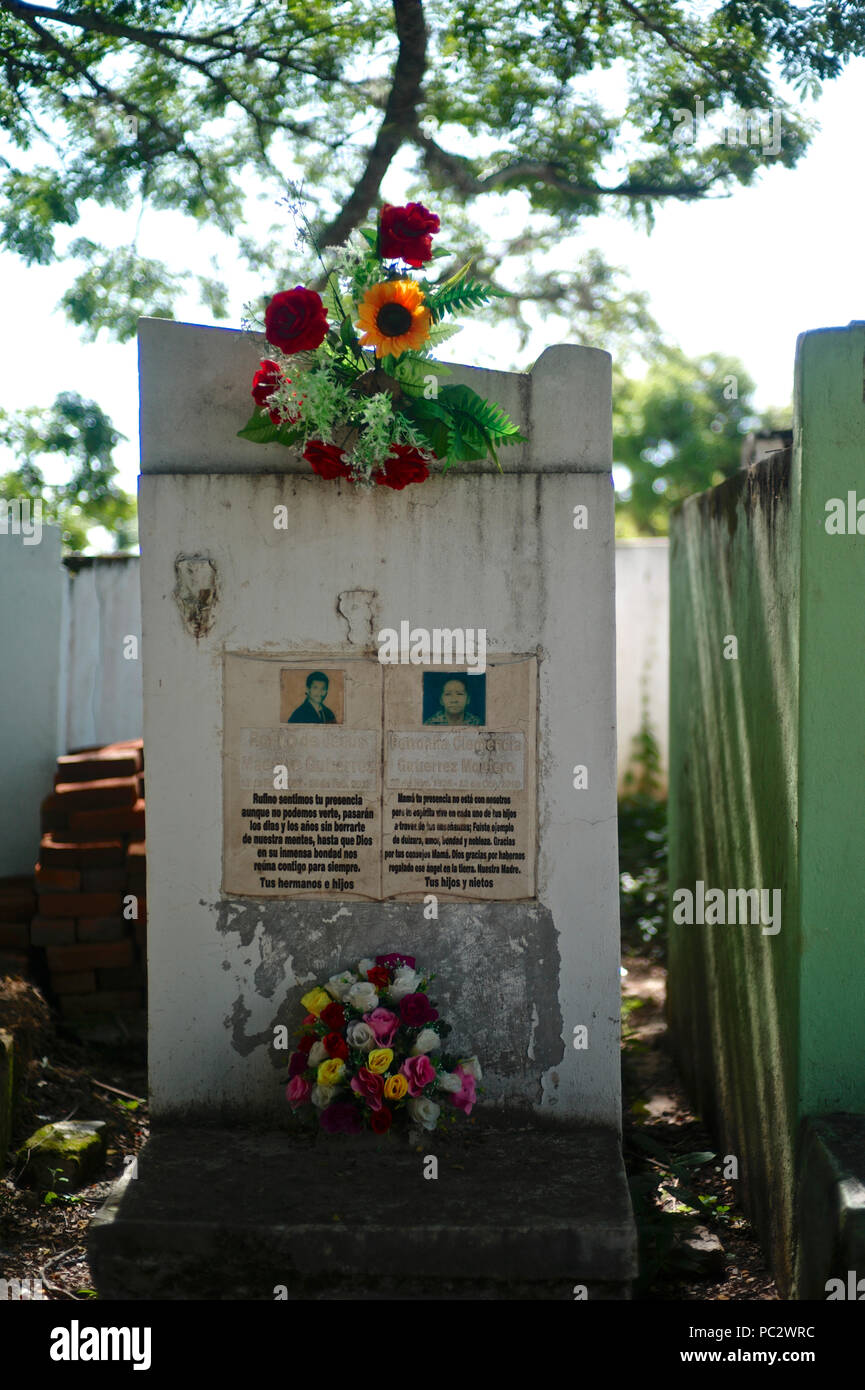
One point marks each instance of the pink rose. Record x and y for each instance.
(370, 1086)
(298, 1091)
(418, 1072)
(384, 1024)
(465, 1097)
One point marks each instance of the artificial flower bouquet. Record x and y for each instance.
(352, 383)
(371, 1052)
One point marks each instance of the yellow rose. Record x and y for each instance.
(316, 1000)
(330, 1073)
(379, 1060)
(395, 1087)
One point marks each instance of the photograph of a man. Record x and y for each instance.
(313, 710)
(454, 700)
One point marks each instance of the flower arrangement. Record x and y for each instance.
(352, 383)
(371, 1052)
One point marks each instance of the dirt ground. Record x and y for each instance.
(660, 1128)
(42, 1236)
(72, 1079)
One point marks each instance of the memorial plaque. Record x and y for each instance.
(348, 778)
(459, 798)
(302, 780)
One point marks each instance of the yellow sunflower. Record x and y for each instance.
(393, 317)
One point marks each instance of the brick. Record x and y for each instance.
(104, 880)
(97, 825)
(16, 934)
(103, 1002)
(74, 982)
(90, 955)
(95, 766)
(57, 880)
(97, 796)
(137, 885)
(81, 905)
(53, 814)
(63, 854)
(122, 977)
(17, 899)
(101, 929)
(15, 963)
(48, 931)
(136, 854)
(141, 935)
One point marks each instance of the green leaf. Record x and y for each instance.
(457, 294)
(347, 334)
(260, 429)
(413, 373)
(370, 236)
(440, 332)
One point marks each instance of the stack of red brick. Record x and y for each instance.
(17, 906)
(90, 881)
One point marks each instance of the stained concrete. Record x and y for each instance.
(516, 1212)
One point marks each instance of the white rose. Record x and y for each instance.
(364, 966)
(427, 1040)
(405, 981)
(448, 1081)
(360, 1035)
(424, 1112)
(321, 1096)
(473, 1066)
(362, 996)
(339, 985)
(317, 1053)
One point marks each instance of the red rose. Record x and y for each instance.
(404, 465)
(295, 320)
(380, 1120)
(326, 460)
(415, 1010)
(306, 1042)
(333, 1015)
(379, 977)
(310, 1018)
(406, 233)
(264, 383)
(336, 1046)
(369, 1086)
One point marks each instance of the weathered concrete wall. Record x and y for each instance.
(32, 685)
(733, 991)
(103, 698)
(766, 791)
(642, 649)
(474, 549)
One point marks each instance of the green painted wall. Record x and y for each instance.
(767, 788)
(832, 726)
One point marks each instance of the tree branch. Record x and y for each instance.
(398, 122)
(459, 173)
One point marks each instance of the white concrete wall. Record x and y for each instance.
(642, 646)
(32, 704)
(473, 549)
(103, 700)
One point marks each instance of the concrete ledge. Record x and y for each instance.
(231, 1215)
(830, 1204)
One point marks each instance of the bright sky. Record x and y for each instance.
(742, 275)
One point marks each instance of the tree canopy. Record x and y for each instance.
(680, 430)
(80, 431)
(194, 107)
